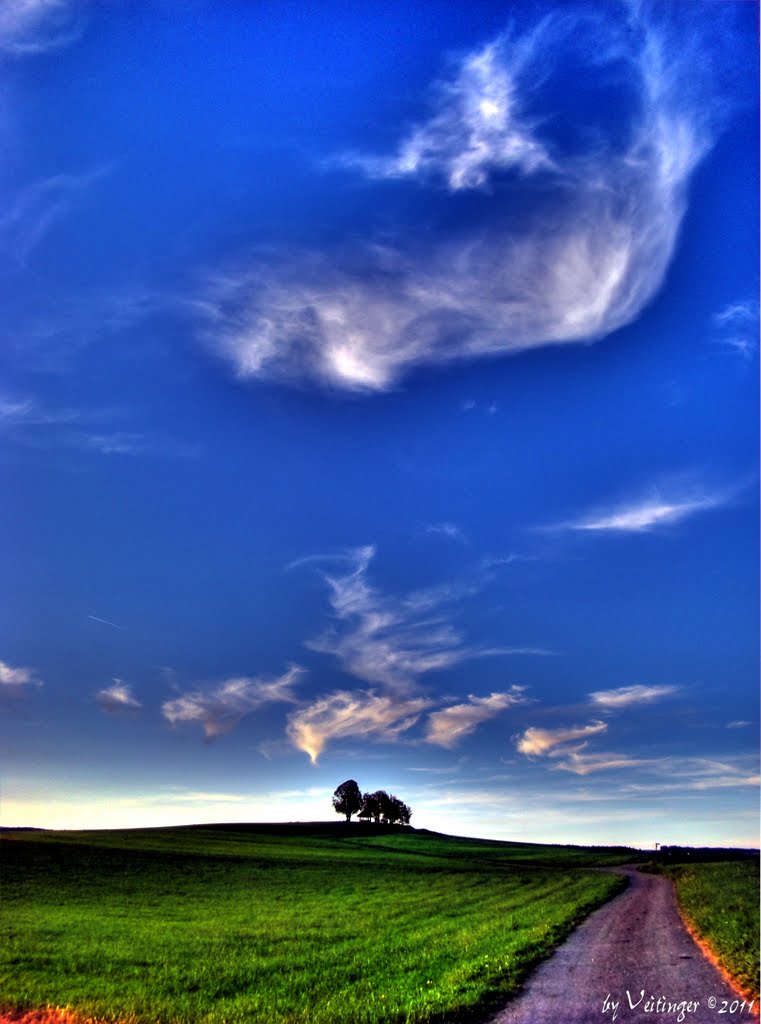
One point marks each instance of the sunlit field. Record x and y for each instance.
(720, 901)
(317, 924)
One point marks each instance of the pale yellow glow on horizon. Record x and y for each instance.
(484, 818)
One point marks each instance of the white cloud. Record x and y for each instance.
(565, 753)
(477, 128)
(535, 741)
(737, 328)
(566, 750)
(572, 257)
(220, 708)
(29, 27)
(117, 697)
(14, 679)
(645, 514)
(448, 726)
(391, 640)
(738, 724)
(353, 714)
(624, 696)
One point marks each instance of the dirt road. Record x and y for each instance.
(620, 961)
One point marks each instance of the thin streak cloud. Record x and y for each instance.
(35, 210)
(579, 761)
(105, 622)
(626, 696)
(643, 515)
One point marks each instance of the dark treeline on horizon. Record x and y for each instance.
(379, 807)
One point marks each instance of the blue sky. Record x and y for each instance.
(379, 400)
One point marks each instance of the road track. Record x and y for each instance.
(631, 951)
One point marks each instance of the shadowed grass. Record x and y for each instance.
(245, 924)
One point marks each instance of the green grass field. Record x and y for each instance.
(240, 924)
(720, 901)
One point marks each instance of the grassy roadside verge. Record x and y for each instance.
(234, 926)
(719, 901)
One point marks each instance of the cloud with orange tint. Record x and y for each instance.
(117, 698)
(448, 726)
(15, 681)
(535, 742)
(355, 714)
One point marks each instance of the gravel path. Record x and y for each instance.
(635, 944)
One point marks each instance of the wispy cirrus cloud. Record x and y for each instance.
(117, 698)
(447, 727)
(580, 761)
(477, 126)
(18, 412)
(626, 696)
(565, 753)
(698, 773)
(737, 328)
(136, 443)
(663, 507)
(446, 529)
(596, 230)
(391, 640)
(567, 749)
(29, 27)
(219, 709)
(351, 715)
(33, 211)
(535, 742)
(28, 421)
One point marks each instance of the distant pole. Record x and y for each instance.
(657, 845)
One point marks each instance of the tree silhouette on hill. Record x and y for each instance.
(347, 799)
(380, 806)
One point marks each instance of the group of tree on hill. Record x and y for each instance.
(380, 806)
